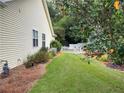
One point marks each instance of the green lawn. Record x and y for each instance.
(71, 74)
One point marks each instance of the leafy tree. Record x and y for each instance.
(56, 44)
(69, 28)
(108, 28)
(95, 20)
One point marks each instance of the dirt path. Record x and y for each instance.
(21, 79)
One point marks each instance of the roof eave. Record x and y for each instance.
(48, 17)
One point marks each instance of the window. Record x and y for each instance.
(43, 40)
(35, 38)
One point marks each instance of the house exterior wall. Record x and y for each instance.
(17, 21)
(0, 28)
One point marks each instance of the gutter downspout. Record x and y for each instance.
(48, 17)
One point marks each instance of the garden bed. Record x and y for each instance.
(114, 66)
(21, 79)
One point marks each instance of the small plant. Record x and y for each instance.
(52, 54)
(104, 58)
(30, 61)
(43, 49)
(56, 44)
(42, 56)
(117, 56)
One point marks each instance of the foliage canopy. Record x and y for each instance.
(96, 21)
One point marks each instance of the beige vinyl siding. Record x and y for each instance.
(0, 28)
(17, 20)
(11, 34)
(0, 38)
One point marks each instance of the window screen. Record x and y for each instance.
(35, 38)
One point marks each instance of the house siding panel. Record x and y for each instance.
(17, 20)
(11, 34)
(0, 35)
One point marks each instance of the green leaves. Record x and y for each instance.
(95, 20)
(108, 27)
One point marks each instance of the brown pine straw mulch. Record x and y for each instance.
(114, 66)
(59, 54)
(21, 79)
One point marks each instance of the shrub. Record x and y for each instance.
(43, 49)
(56, 44)
(52, 54)
(104, 57)
(118, 55)
(121, 51)
(30, 61)
(42, 56)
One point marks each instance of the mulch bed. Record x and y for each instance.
(59, 54)
(21, 79)
(114, 66)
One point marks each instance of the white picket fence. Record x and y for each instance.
(72, 50)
